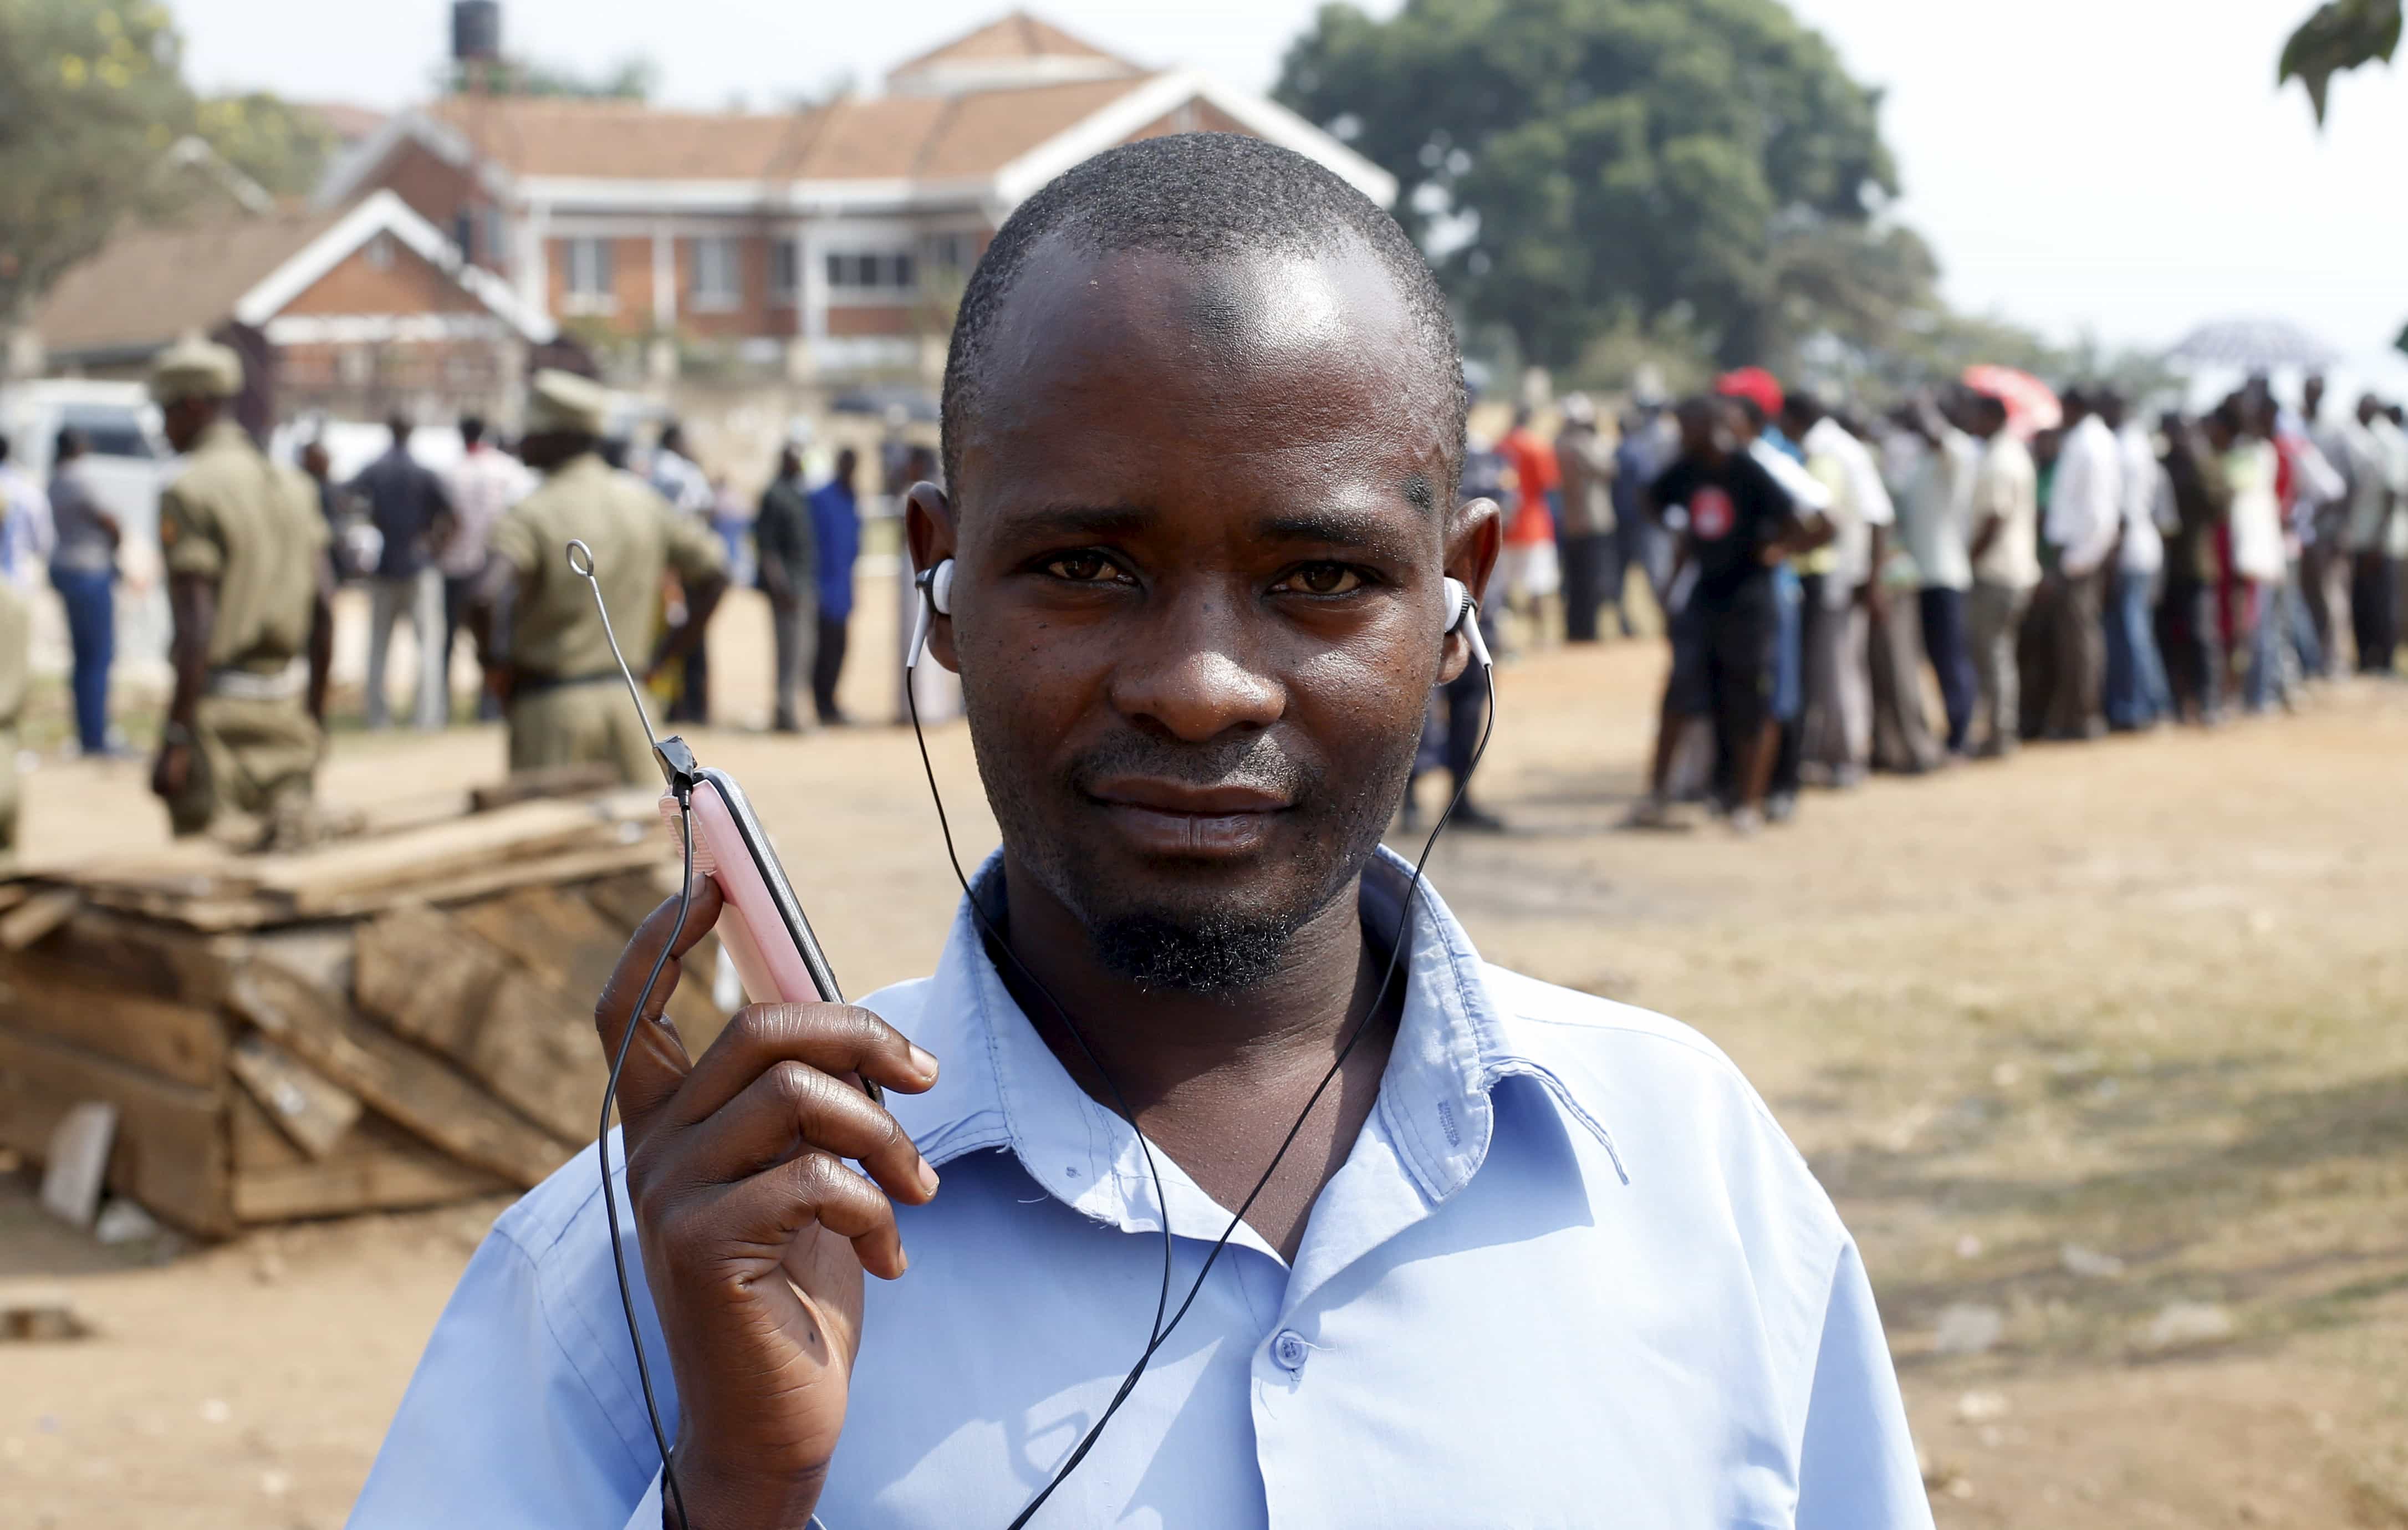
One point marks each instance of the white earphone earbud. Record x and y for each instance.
(936, 600)
(1464, 616)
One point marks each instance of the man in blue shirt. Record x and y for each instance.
(835, 526)
(1498, 1253)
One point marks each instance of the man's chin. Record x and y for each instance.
(1220, 954)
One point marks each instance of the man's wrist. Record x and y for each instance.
(716, 1493)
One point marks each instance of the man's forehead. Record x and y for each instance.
(1259, 308)
(1266, 351)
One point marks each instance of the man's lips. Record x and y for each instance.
(1173, 818)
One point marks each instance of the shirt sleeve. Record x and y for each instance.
(1872, 494)
(500, 1429)
(1856, 1468)
(189, 537)
(695, 550)
(513, 537)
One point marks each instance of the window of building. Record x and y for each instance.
(785, 270)
(949, 251)
(715, 279)
(882, 271)
(381, 251)
(585, 266)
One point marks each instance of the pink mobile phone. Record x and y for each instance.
(762, 924)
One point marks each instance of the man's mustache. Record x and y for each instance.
(1256, 761)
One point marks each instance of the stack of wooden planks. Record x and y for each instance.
(394, 1020)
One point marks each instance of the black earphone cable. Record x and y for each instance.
(602, 1151)
(1162, 1332)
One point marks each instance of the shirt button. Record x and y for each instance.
(1290, 1350)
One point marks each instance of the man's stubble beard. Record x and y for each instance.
(1227, 945)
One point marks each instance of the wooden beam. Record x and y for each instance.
(395, 1077)
(378, 1167)
(171, 1152)
(426, 974)
(37, 916)
(326, 880)
(185, 1043)
(305, 1105)
(571, 946)
(146, 956)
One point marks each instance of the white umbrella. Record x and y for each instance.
(2253, 345)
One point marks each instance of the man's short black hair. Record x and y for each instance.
(1805, 406)
(472, 429)
(1203, 197)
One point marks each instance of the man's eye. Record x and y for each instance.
(1082, 567)
(1325, 579)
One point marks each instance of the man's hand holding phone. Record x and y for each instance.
(754, 1229)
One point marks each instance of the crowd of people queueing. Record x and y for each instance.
(414, 538)
(2060, 572)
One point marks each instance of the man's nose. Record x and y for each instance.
(1194, 673)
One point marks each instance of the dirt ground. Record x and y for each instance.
(2101, 1053)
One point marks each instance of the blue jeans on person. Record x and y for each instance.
(2267, 682)
(2137, 693)
(92, 633)
(1788, 654)
(1942, 613)
(2301, 625)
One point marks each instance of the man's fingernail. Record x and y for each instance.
(928, 1177)
(924, 1063)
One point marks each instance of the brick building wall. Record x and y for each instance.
(384, 276)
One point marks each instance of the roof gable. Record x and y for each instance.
(1017, 48)
(149, 285)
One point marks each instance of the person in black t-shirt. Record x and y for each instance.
(1736, 523)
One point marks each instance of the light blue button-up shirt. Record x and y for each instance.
(1571, 1274)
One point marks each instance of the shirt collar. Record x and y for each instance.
(220, 433)
(1001, 1087)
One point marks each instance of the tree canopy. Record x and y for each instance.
(1579, 167)
(95, 103)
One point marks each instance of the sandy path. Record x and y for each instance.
(2142, 998)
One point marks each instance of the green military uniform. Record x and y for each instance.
(568, 706)
(16, 662)
(252, 529)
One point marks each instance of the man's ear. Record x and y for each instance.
(1475, 539)
(928, 531)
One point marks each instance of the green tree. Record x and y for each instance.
(94, 96)
(2338, 35)
(1586, 168)
(282, 146)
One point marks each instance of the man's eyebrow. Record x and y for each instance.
(1367, 530)
(1078, 520)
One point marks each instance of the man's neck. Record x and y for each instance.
(1156, 1040)
(1217, 1080)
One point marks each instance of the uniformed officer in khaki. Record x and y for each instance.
(250, 590)
(553, 662)
(16, 663)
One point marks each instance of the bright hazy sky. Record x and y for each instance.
(2124, 167)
